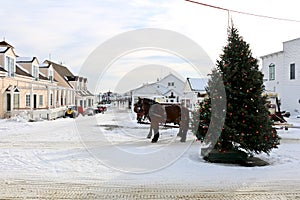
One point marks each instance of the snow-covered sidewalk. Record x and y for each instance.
(112, 149)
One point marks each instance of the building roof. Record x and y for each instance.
(2, 69)
(271, 54)
(5, 44)
(151, 89)
(63, 71)
(12, 88)
(160, 87)
(279, 52)
(173, 76)
(25, 59)
(3, 49)
(197, 84)
(292, 40)
(42, 77)
(84, 93)
(21, 71)
(44, 65)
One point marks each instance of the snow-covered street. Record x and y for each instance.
(105, 153)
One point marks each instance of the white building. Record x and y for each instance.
(168, 89)
(282, 75)
(194, 92)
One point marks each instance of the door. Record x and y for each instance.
(8, 101)
(34, 101)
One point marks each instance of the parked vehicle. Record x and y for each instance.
(71, 111)
(89, 111)
(101, 108)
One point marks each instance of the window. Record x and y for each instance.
(292, 71)
(16, 101)
(61, 100)
(51, 99)
(10, 66)
(50, 75)
(89, 102)
(35, 72)
(41, 100)
(170, 83)
(271, 72)
(27, 100)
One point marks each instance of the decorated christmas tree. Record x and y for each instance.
(247, 124)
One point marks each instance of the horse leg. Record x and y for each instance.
(182, 133)
(155, 138)
(156, 132)
(179, 134)
(184, 125)
(150, 132)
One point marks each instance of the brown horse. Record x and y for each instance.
(157, 113)
(140, 114)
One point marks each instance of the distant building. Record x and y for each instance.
(168, 89)
(282, 75)
(83, 97)
(194, 92)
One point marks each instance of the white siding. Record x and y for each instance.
(288, 90)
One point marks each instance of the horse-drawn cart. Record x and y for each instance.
(162, 113)
(277, 116)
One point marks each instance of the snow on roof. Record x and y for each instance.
(161, 88)
(2, 49)
(25, 59)
(198, 84)
(153, 89)
(44, 65)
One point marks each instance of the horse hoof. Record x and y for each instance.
(155, 138)
(148, 137)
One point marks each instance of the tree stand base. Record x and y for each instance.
(232, 157)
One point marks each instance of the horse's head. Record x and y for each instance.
(138, 106)
(143, 105)
(146, 104)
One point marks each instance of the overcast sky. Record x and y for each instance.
(69, 31)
